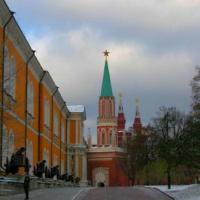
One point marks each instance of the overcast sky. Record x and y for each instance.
(154, 47)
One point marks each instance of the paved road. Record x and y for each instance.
(124, 193)
(111, 193)
(67, 193)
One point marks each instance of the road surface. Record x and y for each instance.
(124, 193)
(106, 193)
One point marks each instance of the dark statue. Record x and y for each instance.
(17, 160)
(40, 168)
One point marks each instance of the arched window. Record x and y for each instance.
(106, 109)
(6, 71)
(12, 77)
(30, 154)
(110, 137)
(55, 124)
(63, 132)
(100, 112)
(62, 167)
(30, 98)
(55, 160)
(9, 74)
(4, 145)
(46, 113)
(110, 108)
(46, 156)
(103, 138)
(11, 143)
(103, 109)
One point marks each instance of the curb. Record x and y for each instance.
(162, 192)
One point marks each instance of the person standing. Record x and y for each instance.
(26, 186)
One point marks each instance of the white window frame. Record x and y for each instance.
(46, 156)
(63, 132)
(4, 144)
(46, 113)
(10, 74)
(11, 143)
(30, 98)
(55, 124)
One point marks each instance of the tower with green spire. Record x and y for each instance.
(106, 120)
(106, 88)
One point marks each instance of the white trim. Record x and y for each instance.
(22, 121)
(44, 136)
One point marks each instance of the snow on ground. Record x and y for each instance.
(174, 188)
(181, 192)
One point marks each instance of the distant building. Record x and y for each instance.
(76, 145)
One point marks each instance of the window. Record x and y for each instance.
(55, 160)
(103, 138)
(111, 137)
(9, 74)
(46, 113)
(103, 109)
(63, 132)
(55, 124)
(30, 98)
(62, 167)
(12, 77)
(110, 108)
(4, 145)
(30, 154)
(46, 156)
(11, 144)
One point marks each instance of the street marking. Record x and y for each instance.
(76, 195)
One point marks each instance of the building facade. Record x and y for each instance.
(76, 145)
(33, 113)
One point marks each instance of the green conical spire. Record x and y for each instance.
(106, 89)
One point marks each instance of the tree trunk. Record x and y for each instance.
(169, 177)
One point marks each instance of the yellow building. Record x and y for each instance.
(33, 113)
(76, 145)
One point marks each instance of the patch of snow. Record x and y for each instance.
(190, 193)
(181, 192)
(174, 188)
(76, 108)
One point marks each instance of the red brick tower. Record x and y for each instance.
(121, 121)
(106, 120)
(137, 125)
(105, 161)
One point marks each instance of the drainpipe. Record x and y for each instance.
(26, 96)
(61, 134)
(66, 148)
(2, 87)
(39, 114)
(52, 126)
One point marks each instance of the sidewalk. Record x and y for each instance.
(66, 193)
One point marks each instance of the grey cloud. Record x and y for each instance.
(154, 47)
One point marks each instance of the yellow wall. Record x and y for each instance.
(72, 132)
(16, 120)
